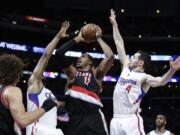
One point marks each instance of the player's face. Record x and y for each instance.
(82, 61)
(134, 60)
(160, 121)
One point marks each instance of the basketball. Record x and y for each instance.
(89, 31)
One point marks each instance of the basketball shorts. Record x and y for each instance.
(128, 124)
(87, 124)
(38, 129)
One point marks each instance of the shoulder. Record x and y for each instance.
(148, 77)
(12, 94)
(12, 91)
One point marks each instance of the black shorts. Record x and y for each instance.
(89, 124)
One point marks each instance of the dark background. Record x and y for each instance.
(160, 35)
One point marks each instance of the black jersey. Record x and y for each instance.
(6, 120)
(83, 94)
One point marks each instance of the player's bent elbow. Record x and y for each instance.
(22, 124)
(159, 84)
(163, 84)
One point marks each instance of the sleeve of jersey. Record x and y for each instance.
(65, 47)
(61, 59)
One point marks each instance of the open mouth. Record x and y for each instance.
(78, 62)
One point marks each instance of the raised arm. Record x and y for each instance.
(36, 77)
(118, 40)
(106, 63)
(161, 81)
(63, 61)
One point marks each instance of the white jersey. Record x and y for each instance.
(34, 101)
(128, 92)
(165, 133)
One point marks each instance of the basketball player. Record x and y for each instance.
(84, 87)
(37, 93)
(11, 105)
(160, 126)
(132, 85)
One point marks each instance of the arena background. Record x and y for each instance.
(152, 26)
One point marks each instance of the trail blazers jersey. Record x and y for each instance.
(83, 93)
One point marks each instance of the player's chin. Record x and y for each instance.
(158, 124)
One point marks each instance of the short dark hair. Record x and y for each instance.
(90, 57)
(10, 68)
(146, 58)
(163, 116)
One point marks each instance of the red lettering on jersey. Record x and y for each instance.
(128, 88)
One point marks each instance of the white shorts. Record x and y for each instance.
(38, 129)
(130, 124)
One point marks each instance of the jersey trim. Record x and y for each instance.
(139, 128)
(3, 100)
(104, 122)
(85, 91)
(140, 97)
(154, 132)
(34, 98)
(33, 129)
(98, 82)
(85, 95)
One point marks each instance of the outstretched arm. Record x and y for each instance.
(161, 81)
(106, 63)
(118, 40)
(36, 77)
(13, 95)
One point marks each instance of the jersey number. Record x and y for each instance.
(128, 88)
(87, 80)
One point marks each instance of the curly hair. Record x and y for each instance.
(10, 69)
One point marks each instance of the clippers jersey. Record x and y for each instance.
(35, 101)
(6, 119)
(165, 133)
(83, 93)
(128, 92)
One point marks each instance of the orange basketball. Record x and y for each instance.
(89, 31)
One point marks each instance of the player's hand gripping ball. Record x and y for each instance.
(90, 30)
